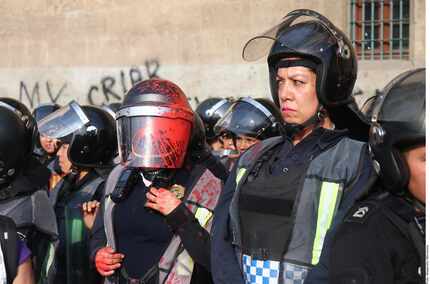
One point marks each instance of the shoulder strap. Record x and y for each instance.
(8, 241)
(248, 159)
(109, 204)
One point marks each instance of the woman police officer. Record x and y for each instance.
(274, 231)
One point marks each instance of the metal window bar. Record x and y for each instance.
(391, 29)
(353, 23)
(381, 29)
(363, 28)
(372, 29)
(401, 29)
(366, 43)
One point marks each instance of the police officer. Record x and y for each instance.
(250, 121)
(286, 192)
(210, 111)
(45, 148)
(88, 140)
(34, 168)
(159, 200)
(23, 196)
(382, 239)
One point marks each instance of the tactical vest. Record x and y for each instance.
(326, 187)
(175, 266)
(78, 268)
(34, 212)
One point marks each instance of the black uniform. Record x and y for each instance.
(382, 240)
(153, 229)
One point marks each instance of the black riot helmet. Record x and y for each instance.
(43, 110)
(398, 122)
(210, 111)
(89, 131)
(27, 118)
(13, 143)
(257, 118)
(94, 145)
(309, 39)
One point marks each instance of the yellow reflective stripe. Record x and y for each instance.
(326, 209)
(50, 259)
(239, 175)
(203, 215)
(184, 264)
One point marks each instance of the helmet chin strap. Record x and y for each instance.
(292, 129)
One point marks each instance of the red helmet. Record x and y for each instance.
(154, 125)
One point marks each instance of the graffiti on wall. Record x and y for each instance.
(112, 88)
(32, 96)
(109, 88)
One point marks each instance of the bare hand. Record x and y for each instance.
(89, 212)
(107, 261)
(162, 200)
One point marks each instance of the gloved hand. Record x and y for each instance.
(162, 200)
(107, 261)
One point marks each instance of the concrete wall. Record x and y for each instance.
(93, 50)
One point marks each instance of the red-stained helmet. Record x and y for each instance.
(154, 125)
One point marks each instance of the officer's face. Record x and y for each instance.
(65, 164)
(227, 141)
(297, 93)
(416, 160)
(50, 145)
(216, 145)
(244, 142)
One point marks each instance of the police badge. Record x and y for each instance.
(177, 190)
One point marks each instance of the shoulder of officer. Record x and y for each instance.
(365, 210)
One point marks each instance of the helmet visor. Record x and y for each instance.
(298, 42)
(63, 121)
(401, 108)
(152, 141)
(245, 117)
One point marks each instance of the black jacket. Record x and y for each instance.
(381, 241)
(195, 239)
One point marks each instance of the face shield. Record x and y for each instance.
(296, 42)
(63, 122)
(153, 137)
(245, 117)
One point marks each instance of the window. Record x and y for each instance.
(380, 29)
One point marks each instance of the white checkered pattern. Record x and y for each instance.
(260, 271)
(294, 273)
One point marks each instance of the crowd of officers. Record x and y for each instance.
(301, 189)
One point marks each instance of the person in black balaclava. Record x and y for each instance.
(154, 221)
